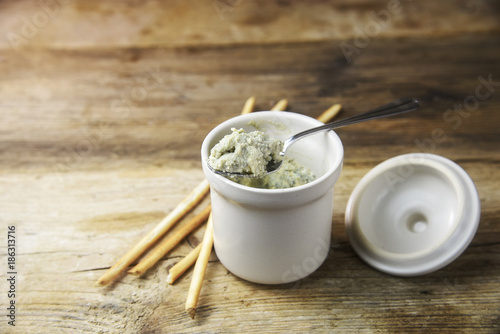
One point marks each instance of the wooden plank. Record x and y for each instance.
(65, 249)
(66, 24)
(198, 89)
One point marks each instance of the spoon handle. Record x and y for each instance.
(396, 107)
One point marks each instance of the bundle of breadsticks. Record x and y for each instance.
(201, 253)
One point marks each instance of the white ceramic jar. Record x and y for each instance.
(275, 236)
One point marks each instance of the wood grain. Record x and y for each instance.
(102, 115)
(78, 24)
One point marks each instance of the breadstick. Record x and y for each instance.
(166, 246)
(329, 113)
(199, 270)
(180, 267)
(185, 206)
(280, 106)
(249, 105)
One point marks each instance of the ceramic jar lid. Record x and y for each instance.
(413, 214)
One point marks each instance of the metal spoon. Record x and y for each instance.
(396, 107)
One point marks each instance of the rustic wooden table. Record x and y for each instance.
(103, 108)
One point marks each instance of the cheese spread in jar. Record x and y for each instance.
(244, 152)
(291, 174)
(249, 153)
